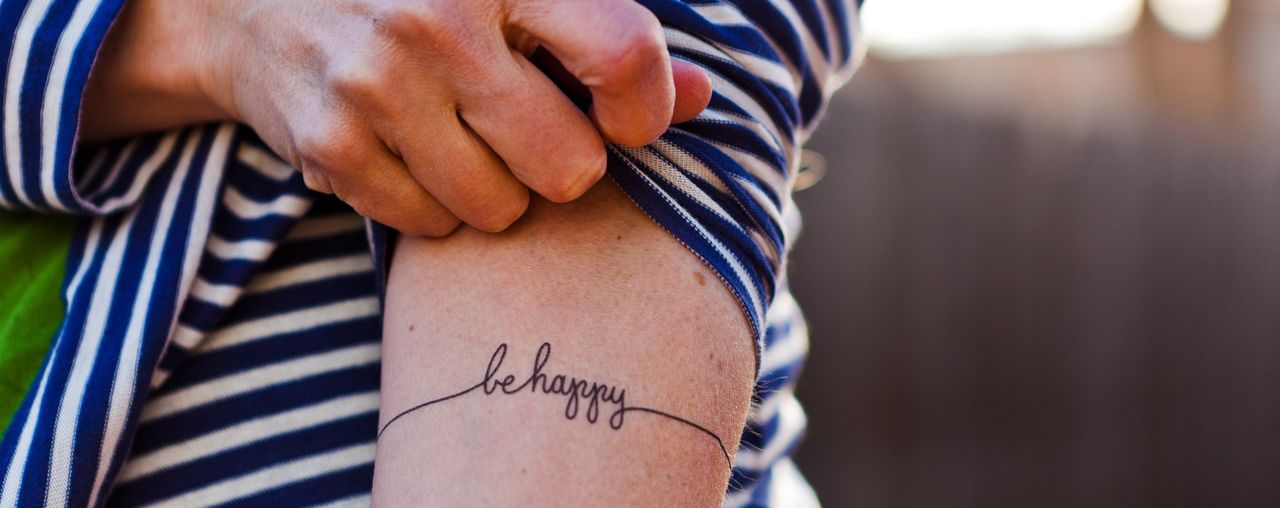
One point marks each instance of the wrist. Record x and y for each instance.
(214, 53)
(188, 54)
(151, 72)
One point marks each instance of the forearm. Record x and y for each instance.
(621, 306)
(154, 71)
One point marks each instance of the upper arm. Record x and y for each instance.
(620, 303)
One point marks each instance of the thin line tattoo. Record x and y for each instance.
(572, 388)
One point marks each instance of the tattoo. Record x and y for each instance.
(576, 392)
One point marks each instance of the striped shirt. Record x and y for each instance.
(221, 338)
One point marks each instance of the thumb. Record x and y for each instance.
(693, 87)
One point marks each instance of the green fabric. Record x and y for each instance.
(33, 259)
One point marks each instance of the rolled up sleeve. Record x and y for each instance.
(721, 183)
(48, 48)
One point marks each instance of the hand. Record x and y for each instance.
(419, 113)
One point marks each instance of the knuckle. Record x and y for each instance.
(637, 128)
(432, 220)
(498, 216)
(638, 133)
(408, 220)
(438, 225)
(357, 202)
(423, 22)
(573, 184)
(633, 52)
(316, 182)
(357, 79)
(331, 147)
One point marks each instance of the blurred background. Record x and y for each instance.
(1041, 269)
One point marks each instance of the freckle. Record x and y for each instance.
(522, 470)
(619, 237)
(702, 280)
(411, 328)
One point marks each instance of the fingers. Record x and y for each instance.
(616, 49)
(414, 119)
(463, 173)
(434, 166)
(693, 85)
(546, 142)
(361, 172)
(693, 90)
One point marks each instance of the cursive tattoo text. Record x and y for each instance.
(576, 392)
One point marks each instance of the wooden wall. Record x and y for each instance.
(1050, 279)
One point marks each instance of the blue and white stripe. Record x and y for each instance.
(223, 323)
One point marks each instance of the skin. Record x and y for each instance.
(420, 114)
(622, 302)
(427, 114)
